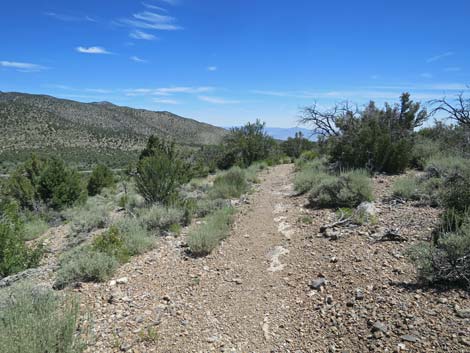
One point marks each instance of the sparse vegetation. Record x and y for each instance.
(215, 228)
(37, 320)
(160, 218)
(230, 184)
(348, 189)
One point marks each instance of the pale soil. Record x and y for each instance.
(252, 293)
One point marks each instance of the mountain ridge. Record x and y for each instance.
(46, 124)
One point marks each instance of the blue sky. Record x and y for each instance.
(226, 62)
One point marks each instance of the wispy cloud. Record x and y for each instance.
(439, 57)
(171, 2)
(69, 88)
(217, 100)
(138, 60)
(92, 50)
(452, 69)
(212, 68)
(166, 101)
(69, 18)
(151, 20)
(273, 93)
(154, 7)
(167, 91)
(22, 67)
(426, 75)
(136, 34)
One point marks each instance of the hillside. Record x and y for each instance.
(86, 132)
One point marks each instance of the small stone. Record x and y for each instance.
(359, 294)
(317, 283)
(123, 280)
(463, 313)
(378, 334)
(379, 326)
(237, 281)
(334, 260)
(443, 300)
(125, 347)
(112, 283)
(329, 299)
(465, 341)
(409, 338)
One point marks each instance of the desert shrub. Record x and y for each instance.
(160, 172)
(37, 320)
(15, 256)
(423, 150)
(83, 264)
(111, 243)
(58, 185)
(310, 174)
(446, 259)
(216, 227)
(160, 218)
(101, 177)
(135, 236)
(378, 139)
(204, 207)
(94, 214)
(230, 184)
(408, 188)
(445, 165)
(245, 145)
(455, 190)
(348, 189)
(295, 146)
(34, 227)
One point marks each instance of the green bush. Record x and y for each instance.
(37, 320)
(111, 243)
(160, 172)
(101, 177)
(310, 174)
(407, 188)
(446, 259)
(34, 227)
(216, 227)
(423, 150)
(160, 217)
(348, 189)
(58, 185)
(15, 256)
(295, 146)
(83, 264)
(94, 214)
(136, 238)
(230, 184)
(207, 206)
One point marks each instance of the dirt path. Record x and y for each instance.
(252, 293)
(237, 299)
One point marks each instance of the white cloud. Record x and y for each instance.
(69, 18)
(212, 68)
(273, 93)
(439, 57)
(153, 7)
(166, 101)
(138, 60)
(21, 66)
(171, 2)
(452, 69)
(167, 91)
(217, 100)
(151, 20)
(92, 50)
(426, 75)
(136, 34)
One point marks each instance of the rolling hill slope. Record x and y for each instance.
(87, 133)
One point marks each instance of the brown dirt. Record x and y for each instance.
(252, 294)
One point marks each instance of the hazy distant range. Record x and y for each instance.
(281, 133)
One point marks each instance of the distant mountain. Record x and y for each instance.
(89, 132)
(280, 133)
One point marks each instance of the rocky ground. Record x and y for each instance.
(278, 285)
